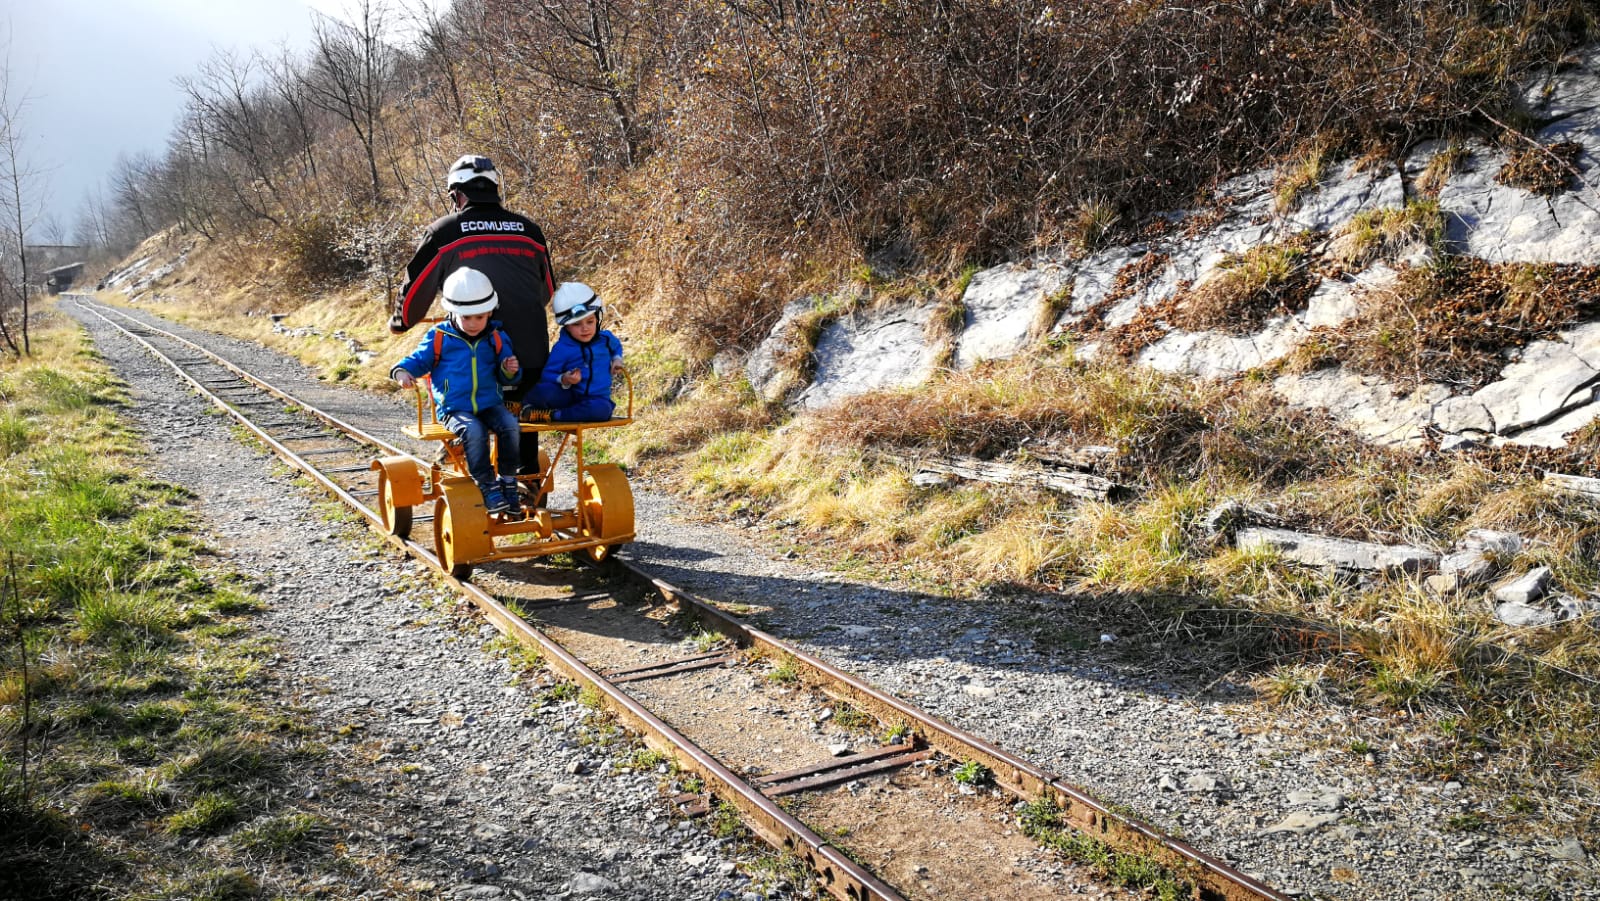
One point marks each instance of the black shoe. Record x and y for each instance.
(508, 491)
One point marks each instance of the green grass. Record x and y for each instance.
(973, 773)
(1041, 821)
(1387, 233)
(142, 697)
(848, 716)
(281, 836)
(205, 814)
(785, 672)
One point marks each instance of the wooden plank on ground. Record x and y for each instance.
(1075, 484)
(1577, 484)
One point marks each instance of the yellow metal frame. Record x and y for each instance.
(465, 534)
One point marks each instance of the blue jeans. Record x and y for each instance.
(474, 429)
(569, 406)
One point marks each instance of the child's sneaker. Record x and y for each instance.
(494, 500)
(508, 490)
(530, 414)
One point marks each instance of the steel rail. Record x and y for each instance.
(341, 425)
(1215, 879)
(840, 875)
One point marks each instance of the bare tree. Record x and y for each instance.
(600, 48)
(283, 78)
(234, 113)
(19, 202)
(351, 73)
(92, 227)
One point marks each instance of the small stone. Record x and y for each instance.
(839, 750)
(591, 884)
(1322, 798)
(1531, 586)
(1515, 614)
(1203, 782)
(1300, 822)
(1570, 850)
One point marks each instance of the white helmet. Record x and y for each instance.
(468, 292)
(468, 168)
(574, 302)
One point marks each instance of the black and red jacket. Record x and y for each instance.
(508, 248)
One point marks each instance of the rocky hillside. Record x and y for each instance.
(1491, 248)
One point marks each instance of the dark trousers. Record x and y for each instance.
(474, 430)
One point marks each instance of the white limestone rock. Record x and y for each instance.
(870, 351)
(1001, 305)
(762, 365)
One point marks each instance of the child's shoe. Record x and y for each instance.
(494, 500)
(508, 490)
(530, 414)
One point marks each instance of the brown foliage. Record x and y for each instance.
(1545, 170)
(1453, 322)
(1165, 429)
(706, 161)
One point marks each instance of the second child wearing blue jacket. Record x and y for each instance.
(470, 359)
(576, 383)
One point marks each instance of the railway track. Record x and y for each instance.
(764, 728)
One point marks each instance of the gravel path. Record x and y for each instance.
(1296, 798)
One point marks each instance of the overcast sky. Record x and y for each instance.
(100, 75)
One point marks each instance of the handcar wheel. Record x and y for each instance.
(445, 542)
(396, 519)
(607, 505)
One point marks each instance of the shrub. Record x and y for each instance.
(1541, 169)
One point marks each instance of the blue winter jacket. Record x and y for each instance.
(467, 372)
(593, 360)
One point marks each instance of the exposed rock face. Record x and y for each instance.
(1001, 307)
(865, 353)
(1546, 391)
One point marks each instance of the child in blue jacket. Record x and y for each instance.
(470, 358)
(576, 383)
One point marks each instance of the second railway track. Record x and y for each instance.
(766, 729)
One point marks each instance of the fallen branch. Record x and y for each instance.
(1578, 484)
(1075, 484)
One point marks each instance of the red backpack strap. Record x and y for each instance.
(497, 344)
(438, 347)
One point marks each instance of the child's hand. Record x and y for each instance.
(405, 379)
(617, 368)
(571, 377)
(511, 365)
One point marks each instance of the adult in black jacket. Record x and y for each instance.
(507, 247)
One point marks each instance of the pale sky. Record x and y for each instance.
(101, 74)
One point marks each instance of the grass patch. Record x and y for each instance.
(129, 708)
(1453, 322)
(1238, 296)
(1447, 162)
(784, 672)
(972, 773)
(1389, 233)
(1301, 175)
(1041, 821)
(281, 836)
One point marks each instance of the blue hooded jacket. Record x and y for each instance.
(467, 372)
(593, 360)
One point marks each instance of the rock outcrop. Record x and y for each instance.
(1545, 391)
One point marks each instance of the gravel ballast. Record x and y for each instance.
(1315, 802)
